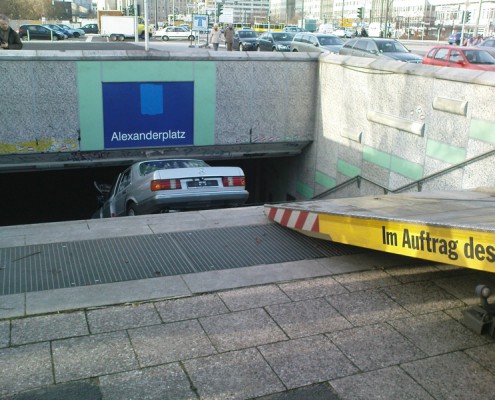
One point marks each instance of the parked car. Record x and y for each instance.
(57, 28)
(154, 186)
(343, 33)
(320, 42)
(274, 41)
(75, 32)
(455, 38)
(379, 48)
(293, 28)
(39, 32)
(174, 32)
(90, 28)
(245, 40)
(460, 57)
(488, 45)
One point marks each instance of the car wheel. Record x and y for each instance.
(76, 35)
(131, 210)
(294, 51)
(165, 38)
(241, 47)
(274, 49)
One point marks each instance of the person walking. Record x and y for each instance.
(215, 36)
(9, 39)
(229, 37)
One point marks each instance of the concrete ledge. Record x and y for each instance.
(191, 54)
(416, 128)
(450, 105)
(353, 135)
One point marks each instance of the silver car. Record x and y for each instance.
(155, 186)
(316, 42)
(379, 48)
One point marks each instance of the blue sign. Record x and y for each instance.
(148, 114)
(200, 23)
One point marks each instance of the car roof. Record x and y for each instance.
(449, 46)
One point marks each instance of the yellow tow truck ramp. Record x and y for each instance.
(451, 227)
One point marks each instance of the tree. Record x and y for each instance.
(27, 9)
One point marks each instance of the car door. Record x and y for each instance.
(441, 57)
(360, 48)
(38, 32)
(263, 42)
(313, 45)
(120, 198)
(456, 59)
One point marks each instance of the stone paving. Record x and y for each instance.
(384, 333)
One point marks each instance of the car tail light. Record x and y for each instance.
(165, 184)
(234, 181)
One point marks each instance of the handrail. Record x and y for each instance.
(418, 183)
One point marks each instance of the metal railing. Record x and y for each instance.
(418, 183)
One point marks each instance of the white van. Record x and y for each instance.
(325, 28)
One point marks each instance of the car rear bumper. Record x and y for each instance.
(203, 200)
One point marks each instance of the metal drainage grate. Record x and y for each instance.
(90, 262)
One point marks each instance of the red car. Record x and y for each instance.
(460, 57)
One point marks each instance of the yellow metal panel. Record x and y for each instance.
(449, 245)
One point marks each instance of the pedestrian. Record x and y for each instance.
(363, 32)
(9, 39)
(215, 36)
(229, 37)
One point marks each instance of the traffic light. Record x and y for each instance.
(360, 12)
(468, 16)
(219, 9)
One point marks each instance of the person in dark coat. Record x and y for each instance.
(9, 39)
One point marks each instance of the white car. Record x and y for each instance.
(343, 33)
(155, 186)
(174, 32)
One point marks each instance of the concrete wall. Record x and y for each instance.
(53, 114)
(390, 122)
(395, 123)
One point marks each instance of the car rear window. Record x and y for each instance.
(148, 167)
(247, 34)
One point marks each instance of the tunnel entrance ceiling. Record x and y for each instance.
(65, 194)
(93, 159)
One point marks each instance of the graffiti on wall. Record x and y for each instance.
(40, 146)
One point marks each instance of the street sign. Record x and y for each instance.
(200, 22)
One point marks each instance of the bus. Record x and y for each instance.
(259, 28)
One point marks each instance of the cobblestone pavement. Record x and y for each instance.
(382, 333)
(363, 326)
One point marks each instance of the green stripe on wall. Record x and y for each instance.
(377, 157)
(482, 130)
(445, 152)
(205, 87)
(90, 105)
(347, 169)
(406, 168)
(304, 190)
(324, 180)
